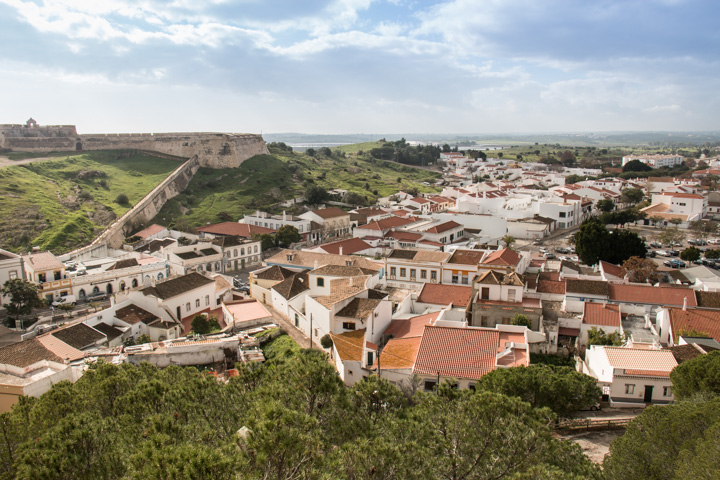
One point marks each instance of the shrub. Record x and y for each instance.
(326, 341)
(122, 199)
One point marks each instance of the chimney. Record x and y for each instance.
(685, 303)
(340, 250)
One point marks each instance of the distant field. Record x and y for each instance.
(62, 204)
(263, 181)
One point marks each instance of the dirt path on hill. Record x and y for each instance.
(6, 162)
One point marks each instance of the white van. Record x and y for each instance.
(66, 300)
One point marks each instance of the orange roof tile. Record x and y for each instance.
(349, 246)
(457, 352)
(411, 327)
(640, 359)
(437, 294)
(611, 269)
(505, 256)
(443, 227)
(236, 229)
(349, 345)
(602, 314)
(630, 293)
(399, 353)
(698, 319)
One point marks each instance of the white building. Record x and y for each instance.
(655, 161)
(11, 267)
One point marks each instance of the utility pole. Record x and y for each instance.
(437, 386)
(310, 331)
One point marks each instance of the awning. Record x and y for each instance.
(569, 332)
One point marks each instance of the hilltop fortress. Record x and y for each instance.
(213, 150)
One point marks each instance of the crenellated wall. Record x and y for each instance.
(213, 150)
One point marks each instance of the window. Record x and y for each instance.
(412, 273)
(562, 214)
(511, 295)
(320, 282)
(423, 274)
(13, 274)
(187, 307)
(235, 253)
(392, 271)
(430, 385)
(455, 278)
(122, 287)
(256, 248)
(197, 303)
(629, 388)
(433, 275)
(667, 391)
(207, 300)
(464, 279)
(41, 278)
(134, 283)
(297, 320)
(369, 358)
(316, 333)
(349, 325)
(403, 272)
(160, 276)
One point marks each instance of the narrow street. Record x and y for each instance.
(287, 327)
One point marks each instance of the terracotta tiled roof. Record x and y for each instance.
(683, 195)
(150, 231)
(274, 273)
(419, 200)
(551, 287)
(177, 285)
(443, 227)
(697, 319)
(707, 299)
(683, 353)
(399, 353)
(491, 277)
(125, 263)
(24, 354)
(457, 352)
(332, 212)
(359, 308)
(505, 256)
(309, 260)
(404, 236)
(293, 285)
(388, 223)
(639, 359)
(349, 246)
(587, 287)
(466, 257)
(630, 293)
(437, 294)
(236, 229)
(602, 314)
(342, 271)
(342, 289)
(79, 336)
(349, 345)
(411, 327)
(43, 261)
(611, 269)
(133, 314)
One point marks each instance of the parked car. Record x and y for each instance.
(66, 300)
(674, 253)
(548, 255)
(663, 253)
(656, 245)
(96, 297)
(650, 253)
(674, 263)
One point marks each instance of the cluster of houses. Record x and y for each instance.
(416, 289)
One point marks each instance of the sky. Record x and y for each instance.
(361, 66)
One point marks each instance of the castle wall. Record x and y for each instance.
(214, 150)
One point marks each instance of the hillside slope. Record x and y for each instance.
(62, 204)
(263, 181)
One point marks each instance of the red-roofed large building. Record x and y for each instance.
(382, 227)
(499, 298)
(691, 205)
(349, 246)
(504, 260)
(457, 296)
(631, 377)
(333, 223)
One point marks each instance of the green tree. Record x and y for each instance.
(562, 389)
(699, 376)
(690, 254)
(598, 336)
(144, 338)
(521, 320)
(623, 245)
(266, 241)
(636, 166)
(316, 195)
(200, 324)
(703, 228)
(592, 241)
(287, 235)
(668, 432)
(508, 240)
(605, 205)
(632, 195)
(671, 235)
(23, 297)
(224, 217)
(122, 199)
(67, 308)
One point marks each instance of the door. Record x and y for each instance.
(485, 293)
(648, 394)
(178, 314)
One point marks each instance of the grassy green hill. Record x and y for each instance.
(263, 181)
(62, 204)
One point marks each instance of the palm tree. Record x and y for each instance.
(508, 240)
